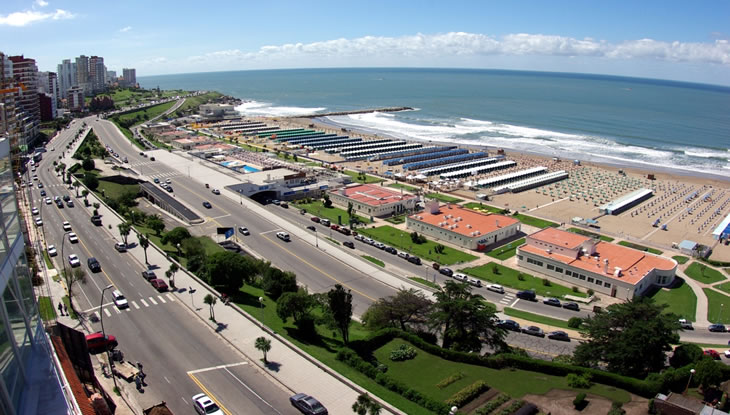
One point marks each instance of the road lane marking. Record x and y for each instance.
(135, 305)
(116, 310)
(210, 395)
(152, 300)
(513, 304)
(208, 369)
(319, 270)
(170, 298)
(144, 303)
(251, 390)
(159, 297)
(98, 316)
(106, 311)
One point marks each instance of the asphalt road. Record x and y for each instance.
(181, 355)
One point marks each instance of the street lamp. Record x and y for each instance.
(691, 372)
(103, 333)
(261, 315)
(316, 239)
(719, 313)
(63, 257)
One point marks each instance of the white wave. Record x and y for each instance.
(706, 153)
(256, 108)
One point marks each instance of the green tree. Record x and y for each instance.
(263, 345)
(90, 181)
(631, 338)
(464, 320)
(70, 277)
(85, 194)
(144, 242)
(327, 202)
(685, 354)
(173, 270)
(155, 223)
(195, 254)
(210, 300)
(408, 306)
(276, 282)
(350, 208)
(365, 405)
(339, 309)
(708, 373)
(175, 236)
(88, 164)
(297, 305)
(76, 187)
(124, 229)
(228, 270)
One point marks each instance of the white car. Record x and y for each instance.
(52, 251)
(460, 277)
(35, 211)
(48, 201)
(168, 181)
(475, 282)
(496, 288)
(216, 191)
(74, 261)
(38, 222)
(66, 226)
(119, 300)
(73, 238)
(283, 236)
(205, 406)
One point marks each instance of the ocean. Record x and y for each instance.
(643, 123)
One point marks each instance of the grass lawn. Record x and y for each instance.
(536, 222)
(480, 207)
(317, 208)
(396, 220)
(702, 273)
(411, 189)
(506, 251)
(680, 259)
(584, 232)
(209, 245)
(443, 198)
(555, 322)
(723, 287)
(716, 306)
(323, 349)
(46, 258)
(681, 300)
(368, 178)
(402, 241)
(425, 282)
(425, 371)
(115, 190)
(508, 277)
(144, 114)
(375, 261)
(640, 247)
(46, 308)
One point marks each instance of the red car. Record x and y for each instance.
(712, 353)
(335, 227)
(96, 342)
(315, 219)
(159, 284)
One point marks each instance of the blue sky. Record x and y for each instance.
(678, 40)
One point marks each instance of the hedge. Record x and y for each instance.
(449, 380)
(514, 406)
(493, 404)
(468, 393)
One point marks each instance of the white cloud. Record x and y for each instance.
(41, 3)
(27, 17)
(125, 29)
(461, 44)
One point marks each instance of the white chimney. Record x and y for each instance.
(549, 251)
(617, 272)
(496, 222)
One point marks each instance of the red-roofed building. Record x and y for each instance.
(604, 267)
(463, 227)
(374, 200)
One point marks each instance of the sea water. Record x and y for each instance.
(644, 123)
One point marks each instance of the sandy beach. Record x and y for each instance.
(589, 186)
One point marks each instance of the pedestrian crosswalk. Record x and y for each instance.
(146, 302)
(508, 299)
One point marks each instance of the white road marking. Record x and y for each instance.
(208, 369)
(161, 299)
(252, 391)
(144, 303)
(106, 311)
(135, 305)
(170, 297)
(152, 300)
(116, 310)
(168, 380)
(513, 304)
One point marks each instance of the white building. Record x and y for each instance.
(374, 200)
(218, 111)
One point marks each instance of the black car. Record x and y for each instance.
(59, 203)
(552, 301)
(93, 264)
(391, 250)
(349, 244)
(509, 325)
(307, 404)
(66, 198)
(312, 228)
(559, 335)
(719, 328)
(414, 260)
(207, 205)
(571, 306)
(533, 331)
(43, 193)
(527, 295)
(446, 271)
(149, 275)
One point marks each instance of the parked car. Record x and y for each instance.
(349, 244)
(119, 300)
(35, 211)
(244, 230)
(495, 288)
(96, 220)
(712, 353)
(97, 342)
(52, 251)
(719, 328)
(156, 180)
(414, 260)
(403, 255)
(527, 295)
(475, 282)
(571, 306)
(509, 325)
(216, 191)
(552, 301)
(93, 264)
(38, 222)
(559, 335)
(284, 205)
(207, 205)
(345, 231)
(74, 261)
(120, 246)
(391, 250)
(460, 277)
(533, 331)
(276, 202)
(325, 222)
(685, 325)
(149, 275)
(307, 404)
(315, 219)
(283, 236)
(205, 406)
(446, 271)
(159, 285)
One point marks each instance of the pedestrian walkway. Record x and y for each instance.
(701, 320)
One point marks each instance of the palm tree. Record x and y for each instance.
(366, 405)
(173, 269)
(85, 194)
(210, 300)
(76, 187)
(263, 344)
(144, 242)
(124, 229)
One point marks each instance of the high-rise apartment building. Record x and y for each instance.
(8, 121)
(76, 98)
(82, 74)
(66, 77)
(130, 76)
(97, 74)
(28, 113)
(111, 77)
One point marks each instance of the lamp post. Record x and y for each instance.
(316, 238)
(719, 313)
(63, 257)
(261, 314)
(691, 372)
(103, 333)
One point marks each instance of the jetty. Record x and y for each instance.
(365, 111)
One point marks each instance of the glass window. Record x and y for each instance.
(550, 267)
(590, 279)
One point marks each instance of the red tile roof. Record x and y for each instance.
(558, 237)
(466, 220)
(77, 388)
(375, 195)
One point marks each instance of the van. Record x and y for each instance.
(325, 222)
(96, 342)
(528, 295)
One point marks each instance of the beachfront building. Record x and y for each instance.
(218, 111)
(462, 227)
(626, 202)
(722, 231)
(281, 184)
(604, 267)
(371, 200)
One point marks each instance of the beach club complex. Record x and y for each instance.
(374, 200)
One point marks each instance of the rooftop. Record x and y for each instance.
(463, 221)
(267, 176)
(374, 195)
(557, 237)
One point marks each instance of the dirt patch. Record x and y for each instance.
(560, 402)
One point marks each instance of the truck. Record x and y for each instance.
(126, 370)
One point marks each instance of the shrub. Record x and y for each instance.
(468, 394)
(652, 407)
(449, 380)
(575, 289)
(521, 276)
(514, 406)
(575, 322)
(580, 401)
(616, 409)
(493, 404)
(545, 282)
(402, 352)
(579, 381)
(590, 291)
